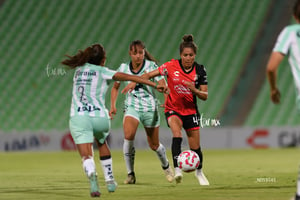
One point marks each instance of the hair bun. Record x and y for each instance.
(188, 38)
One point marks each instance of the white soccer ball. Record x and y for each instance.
(188, 161)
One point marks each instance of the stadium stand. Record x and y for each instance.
(244, 95)
(36, 34)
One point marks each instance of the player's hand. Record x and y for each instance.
(162, 88)
(275, 96)
(112, 112)
(189, 85)
(128, 88)
(162, 105)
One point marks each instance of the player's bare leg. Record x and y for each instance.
(194, 143)
(88, 164)
(130, 125)
(106, 163)
(155, 145)
(176, 126)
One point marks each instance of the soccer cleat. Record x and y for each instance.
(201, 177)
(95, 191)
(178, 175)
(130, 179)
(169, 174)
(111, 185)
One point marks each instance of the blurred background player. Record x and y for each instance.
(288, 43)
(89, 118)
(186, 80)
(141, 106)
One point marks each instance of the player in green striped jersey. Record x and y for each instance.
(288, 43)
(140, 106)
(89, 118)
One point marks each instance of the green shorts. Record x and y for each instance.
(84, 129)
(150, 119)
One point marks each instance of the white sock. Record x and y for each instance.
(161, 154)
(107, 169)
(129, 154)
(89, 166)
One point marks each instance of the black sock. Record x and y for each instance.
(199, 152)
(176, 149)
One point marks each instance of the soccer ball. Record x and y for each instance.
(188, 161)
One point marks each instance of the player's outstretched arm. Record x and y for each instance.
(149, 75)
(119, 76)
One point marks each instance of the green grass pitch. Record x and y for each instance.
(233, 175)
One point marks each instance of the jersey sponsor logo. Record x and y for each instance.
(182, 90)
(88, 108)
(83, 81)
(176, 73)
(138, 86)
(84, 73)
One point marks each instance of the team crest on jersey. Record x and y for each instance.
(165, 71)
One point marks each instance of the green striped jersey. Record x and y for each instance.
(90, 84)
(288, 43)
(142, 98)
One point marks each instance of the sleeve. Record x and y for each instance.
(154, 67)
(121, 69)
(283, 42)
(203, 76)
(163, 69)
(107, 74)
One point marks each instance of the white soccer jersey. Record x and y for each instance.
(90, 84)
(288, 43)
(142, 98)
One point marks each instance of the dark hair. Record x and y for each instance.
(188, 42)
(92, 54)
(296, 9)
(135, 43)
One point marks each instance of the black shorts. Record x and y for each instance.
(189, 122)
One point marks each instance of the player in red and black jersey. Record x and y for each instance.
(187, 81)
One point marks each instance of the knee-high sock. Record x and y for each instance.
(176, 149)
(200, 154)
(89, 166)
(161, 154)
(106, 163)
(129, 154)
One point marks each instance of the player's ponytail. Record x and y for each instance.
(135, 43)
(188, 42)
(92, 54)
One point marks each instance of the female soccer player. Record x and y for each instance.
(140, 106)
(89, 118)
(288, 43)
(186, 81)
